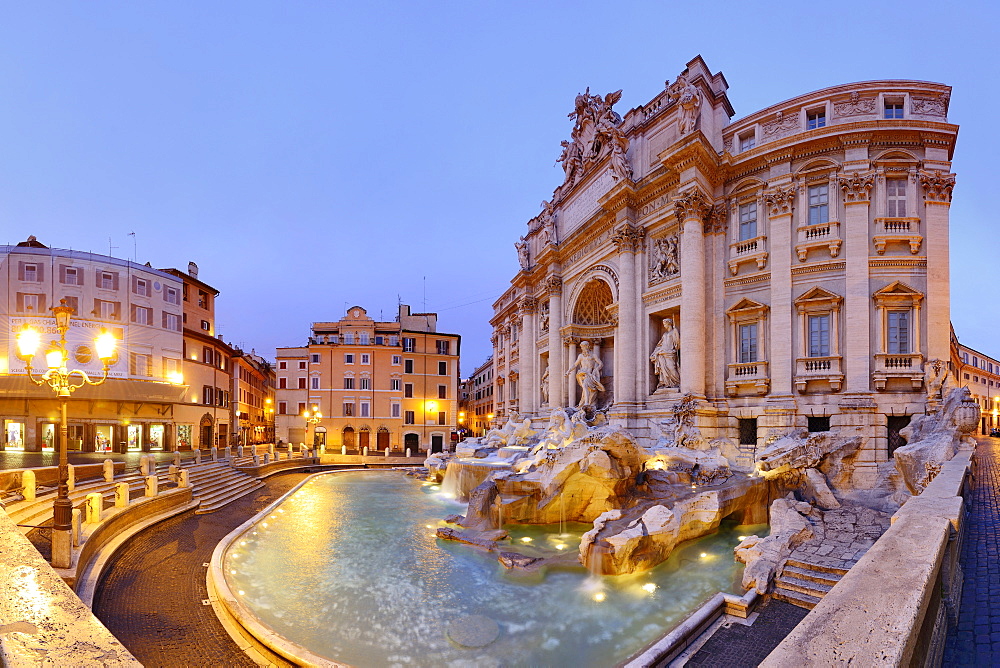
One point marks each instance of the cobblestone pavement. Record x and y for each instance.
(739, 646)
(976, 639)
(844, 536)
(151, 594)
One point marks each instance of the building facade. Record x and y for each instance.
(981, 374)
(141, 306)
(478, 405)
(376, 384)
(786, 270)
(252, 399)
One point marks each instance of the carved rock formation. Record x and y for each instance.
(791, 526)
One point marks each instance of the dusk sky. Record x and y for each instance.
(310, 156)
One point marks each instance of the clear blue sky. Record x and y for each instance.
(314, 155)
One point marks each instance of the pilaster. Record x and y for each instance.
(692, 209)
(937, 187)
(857, 188)
(779, 202)
(628, 239)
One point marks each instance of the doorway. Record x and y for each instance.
(134, 437)
(382, 438)
(437, 442)
(14, 435)
(156, 437)
(103, 435)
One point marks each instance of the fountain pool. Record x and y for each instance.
(348, 567)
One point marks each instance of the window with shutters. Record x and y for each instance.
(442, 417)
(171, 321)
(208, 395)
(442, 391)
(395, 410)
(443, 347)
(106, 310)
(408, 366)
(71, 276)
(140, 286)
(73, 303)
(348, 383)
(142, 315)
(365, 383)
(442, 368)
(302, 383)
(107, 280)
(282, 408)
(366, 358)
(397, 360)
(408, 390)
(282, 383)
(394, 384)
(31, 272)
(315, 382)
(365, 408)
(409, 345)
(171, 296)
(348, 409)
(409, 417)
(28, 302)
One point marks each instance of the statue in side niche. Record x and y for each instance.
(666, 356)
(522, 252)
(688, 98)
(588, 375)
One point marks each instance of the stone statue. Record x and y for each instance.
(543, 318)
(496, 438)
(548, 224)
(666, 356)
(588, 375)
(571, 160)
(936, 374)
(522, 252)
(665, 262)
(545, 386)
(522, 432)
(619, 162)
(688, 97)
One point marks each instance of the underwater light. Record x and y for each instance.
(560, 546)
(649, 587)
(703, 555)
(526, 539)
(599, 596)
(742, 538)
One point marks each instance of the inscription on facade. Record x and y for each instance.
(584, 204)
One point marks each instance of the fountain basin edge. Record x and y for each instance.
(237, 618)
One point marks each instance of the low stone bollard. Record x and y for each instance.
(177, 459)
(172, 473)
(144, 465)
(267, 457)
(197, 456)
(71, 477)
(239, 451)
(28, 487)
(95, 504)
(109, 470)
(270, 449)
(256, 460)
(215, 454)
(75, 529)
(343, 449)
(183, 480)
(387, 451)
(364, 453)
(122, 494)
(152, 485)
(407, 453)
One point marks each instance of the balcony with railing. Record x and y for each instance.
(748, 250)
(811, 372)
(906, 366)
(744, 376)
(823, 236)
(897, 230)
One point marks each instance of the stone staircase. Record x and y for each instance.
(29, 514)
(804, 584)
(216, 484)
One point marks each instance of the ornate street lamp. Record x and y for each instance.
(60, 379)
(311, 419)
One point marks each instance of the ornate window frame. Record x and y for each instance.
(753, 250)
(903, 230)
(897, 296)
(817, 370)
(755, 374)
(821, 236)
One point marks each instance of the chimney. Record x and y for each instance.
(192, 270)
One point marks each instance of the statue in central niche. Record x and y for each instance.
(666, 356)
(588, 375)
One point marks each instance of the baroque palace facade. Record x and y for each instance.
(787, 270)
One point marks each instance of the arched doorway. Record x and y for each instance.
(365, 438)
(411, 441)
(319, 436)
(348, 438)
(205, 437)
(382, 438)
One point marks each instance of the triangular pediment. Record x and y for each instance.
(818, 294)
(899, 288)
(746, 304)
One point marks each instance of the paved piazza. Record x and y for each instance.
(151, 596)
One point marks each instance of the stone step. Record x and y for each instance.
(809, 587)
(818, 568)
(820, 577)
(795, 598)
(227, 496)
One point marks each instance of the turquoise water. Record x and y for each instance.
(349, 567)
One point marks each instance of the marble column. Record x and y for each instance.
(628, 239)
(779, 202)
(557, 364)
(527, 387)
(691, 211)
(937, 186)
(857, 300)
(570, 380)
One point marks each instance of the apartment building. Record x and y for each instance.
(376, 384)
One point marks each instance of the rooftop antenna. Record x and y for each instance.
(135, 252)
(111, 248)
(425, 294)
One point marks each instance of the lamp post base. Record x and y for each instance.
(62, 548)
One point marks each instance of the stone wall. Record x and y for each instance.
(42, 622)
(893, 607)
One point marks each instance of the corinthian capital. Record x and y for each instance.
(628, 238)
(692, 204)
(780, 200)
(857, 187)
(528, 305)
(937, 185)
(554, 285)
